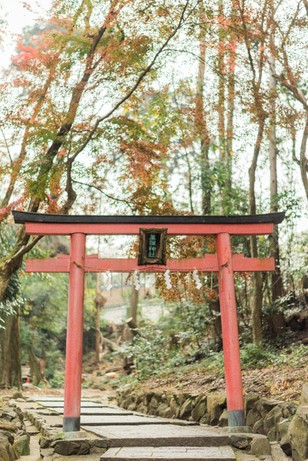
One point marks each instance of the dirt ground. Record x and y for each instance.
(281, 383)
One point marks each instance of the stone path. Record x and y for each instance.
(130, 436)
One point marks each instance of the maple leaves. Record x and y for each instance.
(6, 211)
(143, 167)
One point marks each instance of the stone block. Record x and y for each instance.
(72, 447)
(285, 444)
(169, 453)
(260, 446)
(288, 409)
(46, 452)
(264, 406)
(153, 405)
(7, 426)
(169, 413)
(252, 417)
(22, 444)
(6, 451)
(186, 409)
(298, 433)
(223, 419)
(161, 409)
(283, 427)
(240, 441)
(142, 408)
(250, 401)
(216, 403)
(173, 404)
(199, 410)
(242, 456)
(272, 434)
(132, 407)
(271, 421)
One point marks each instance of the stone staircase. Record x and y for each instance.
(122, 435)
(169, 453)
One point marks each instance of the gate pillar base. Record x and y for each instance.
(71, 424)
(236, 418)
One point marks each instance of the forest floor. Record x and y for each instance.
(277, 382)
(283, 382)
(280, 377)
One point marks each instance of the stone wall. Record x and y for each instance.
(298, 429)
(14, 441)
(283, 422)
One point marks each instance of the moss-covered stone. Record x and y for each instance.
(298, 432)
(199, 410)
(22, 444)
(216, 403)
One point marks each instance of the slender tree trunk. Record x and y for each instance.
(229, 139)
(257, 298)
(303, 161)
(133, 308)
(201, 123)
(100, 301)
(232, 45)
(221, 88)
(277, 287)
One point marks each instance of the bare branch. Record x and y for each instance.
(6, 145)
(297, 93)
(115, 199)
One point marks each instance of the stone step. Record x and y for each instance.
(58, 404)
(169, 453)
(167, 435)
(101, 411)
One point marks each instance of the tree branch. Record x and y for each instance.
(303, 158)
(140, 78)
(127, 202)
(22, 251)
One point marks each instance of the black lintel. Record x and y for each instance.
(21, 217)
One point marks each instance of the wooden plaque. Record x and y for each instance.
(152, 246)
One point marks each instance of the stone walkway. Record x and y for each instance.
(125, 436)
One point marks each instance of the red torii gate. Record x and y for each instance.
(77, 263)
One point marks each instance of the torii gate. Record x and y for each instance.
(77, 263)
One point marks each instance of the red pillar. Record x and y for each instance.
(233, 375)
(73, 365)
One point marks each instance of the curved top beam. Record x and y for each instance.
(22, 217)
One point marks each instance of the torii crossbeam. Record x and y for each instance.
(77, 263)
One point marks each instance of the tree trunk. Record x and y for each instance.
(303, 161)
(257, 298)
(231, 63)
(277, 287)
(221, 87)
(133, 307)
(36, 373)
(100, 301)
(11, 353)
(201, 123)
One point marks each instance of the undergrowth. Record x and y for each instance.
(151, 354)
